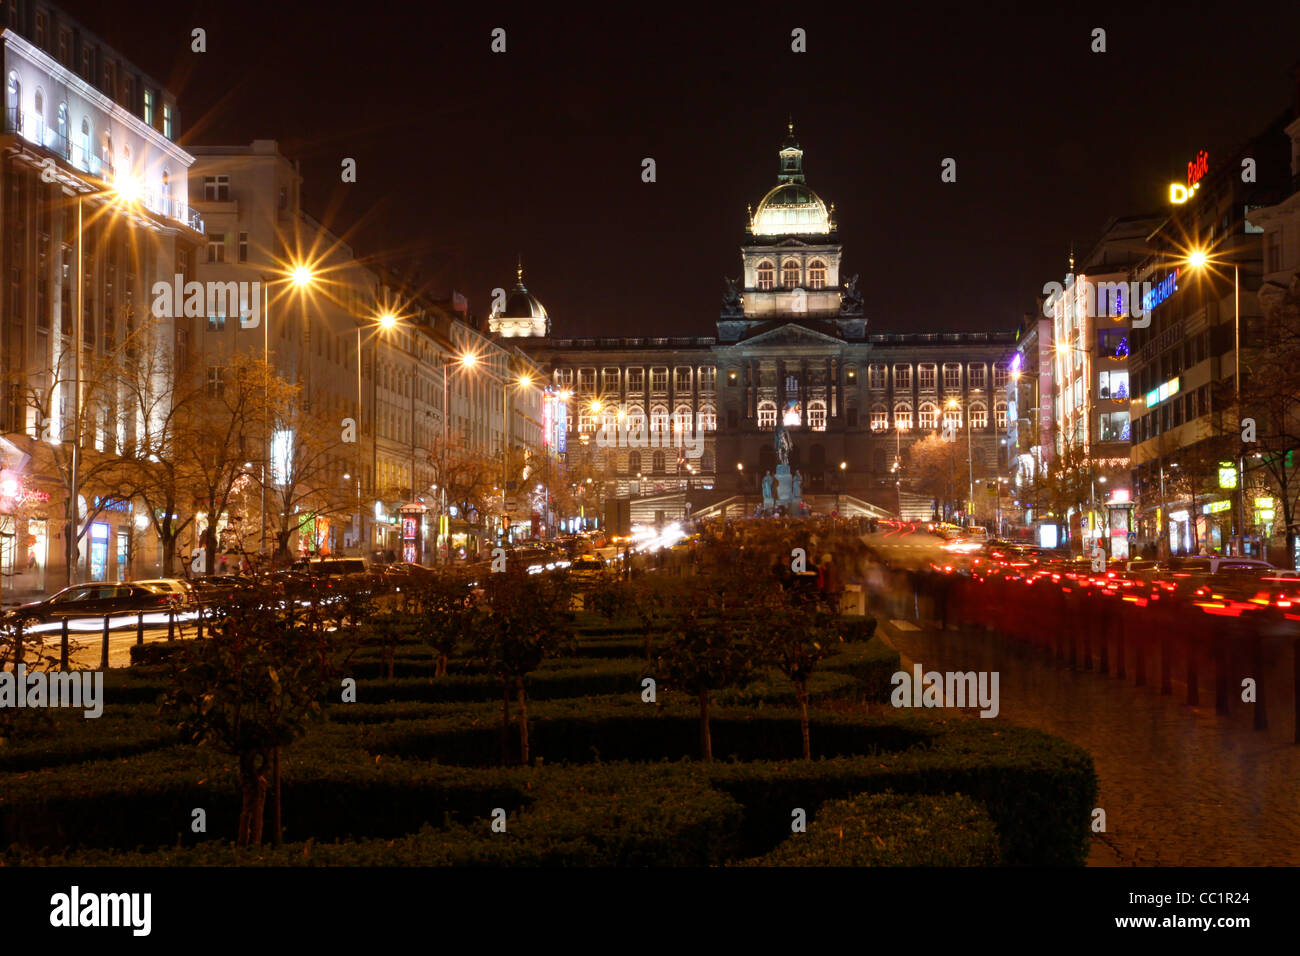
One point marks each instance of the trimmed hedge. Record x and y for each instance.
(889, 829)
(611, 816)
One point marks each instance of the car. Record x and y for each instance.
(182, 590)
(587, 567)
(91, 601)
(219, 588)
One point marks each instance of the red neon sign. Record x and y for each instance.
(1197, 168)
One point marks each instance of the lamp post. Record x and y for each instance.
(126, 191)
(1199, 259)
(970, 459)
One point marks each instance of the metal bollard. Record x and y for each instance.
(1257, 668)
(1220, 675)
(103, 654)
(199, 624)
(139, 629)
(63, 646)
(171, 624)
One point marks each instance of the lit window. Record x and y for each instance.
(817, 274)
(817, 416)
(167, 121)
(790, 274)
(1000, 411)
(979, 416)
(903, 418)
(659, 418)
(148, 107)
(879, 418)
(902, 376)
(877, 374)
(927, 417)
(952, 415)
(767, 414)
(766, 275)
(708, 378)
(708, 418)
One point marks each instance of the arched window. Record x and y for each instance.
(951, 414)
(14, 102)
(879, 418)
(817, 415)
(636, 418)
(1000, 411)
(86, 138)
(766, 274)
(683, 419)
(979, 416)
(816, 274)
(903, 417)
(767, 414)
(928, 418)
(657, 463)
(634, 463)
(659, 418)
(790, 274)
(708, 418)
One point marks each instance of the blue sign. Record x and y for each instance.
(1161, 291)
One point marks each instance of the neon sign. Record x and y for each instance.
(1160, 291)
(1196, 170)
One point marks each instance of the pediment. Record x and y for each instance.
(791, 334)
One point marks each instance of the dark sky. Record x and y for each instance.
(466, 157)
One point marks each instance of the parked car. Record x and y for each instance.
(181, 590)
(90, 601)
(587, 567)
(218, 588)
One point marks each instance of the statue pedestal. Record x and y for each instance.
(784, 485)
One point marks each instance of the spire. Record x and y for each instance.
(1071, 257)
(519, 270)
(791, 157)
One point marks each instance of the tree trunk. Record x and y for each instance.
(801, 691)
(278, 833)
(505, 725)
(168, 553)
(441, 669)
(706, 739)
(523, 721)
(252, 785)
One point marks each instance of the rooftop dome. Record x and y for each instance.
(790, 208)
(523, 315)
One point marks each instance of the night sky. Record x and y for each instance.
(466, 157)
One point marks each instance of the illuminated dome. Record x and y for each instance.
(523, 314)
(790, 208)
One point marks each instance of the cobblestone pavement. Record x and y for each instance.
(1180, 785)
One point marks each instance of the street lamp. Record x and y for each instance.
(970, 458)
(124, 192)
(1200, 259)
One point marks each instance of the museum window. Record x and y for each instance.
(610, 379)
(879, 418)
(1000, 410)
(659, 418)
(587, 379)
(816, 274)
(708, 378)
(682, 378)
(790, 274)
(903, 417)
(636, 418)
(927, 417)
(635, 379)
(979, 416)
(708, 418)
(877, 376)
(1001, 372)
(766, 275)
(977, 372)
(767, 414)
(817, 415)
(902, 376)
(657, 463)
(659, 379)
(952, 376)
(926, 376)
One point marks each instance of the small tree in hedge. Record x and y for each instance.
(610, 596)
(252, 687)
(386, 630)
(445, 615)
(706, 651)
(795, 640)
(526, 620)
